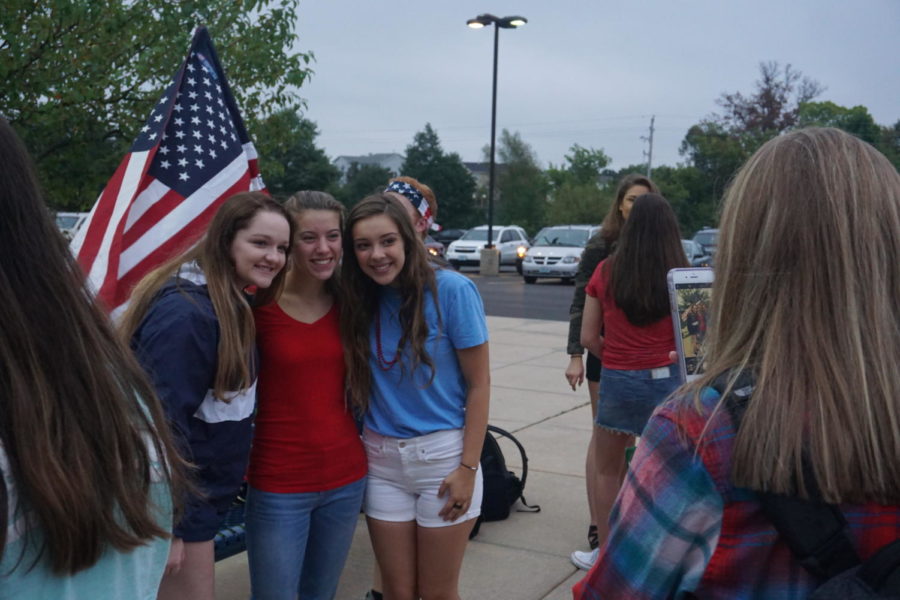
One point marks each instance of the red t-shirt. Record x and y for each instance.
(305, 439)
(626, 346)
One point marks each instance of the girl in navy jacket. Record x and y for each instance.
(191, 326)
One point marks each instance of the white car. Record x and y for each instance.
(466, 251)
(70, 222)
(556, 252)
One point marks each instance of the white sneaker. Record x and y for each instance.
(584, 560)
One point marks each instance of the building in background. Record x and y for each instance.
(388, 160)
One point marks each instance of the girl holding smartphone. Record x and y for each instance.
(191, 325)
(417, 355)
(804, 304)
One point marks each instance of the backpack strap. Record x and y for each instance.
(880, 570)
(511, 437)
(815, 531)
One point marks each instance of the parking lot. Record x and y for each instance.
(507, 295)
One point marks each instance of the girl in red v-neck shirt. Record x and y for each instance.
(307, 465)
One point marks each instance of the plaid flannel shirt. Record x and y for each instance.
(680, 529)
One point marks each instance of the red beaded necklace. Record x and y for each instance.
(384, 365)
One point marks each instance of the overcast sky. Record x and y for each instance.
(586, 72)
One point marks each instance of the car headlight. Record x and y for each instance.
(568, 260)
(528, 259)
(432, 251)
(520, 251)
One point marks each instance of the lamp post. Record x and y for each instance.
(478, 22)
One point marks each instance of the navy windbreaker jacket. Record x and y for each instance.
(177, 344)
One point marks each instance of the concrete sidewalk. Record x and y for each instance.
(525, 557)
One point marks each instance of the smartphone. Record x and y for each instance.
(689, 293)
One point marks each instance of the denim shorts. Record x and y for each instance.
(405, 475)
(628, 398)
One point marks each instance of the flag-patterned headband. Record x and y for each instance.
(413, 195)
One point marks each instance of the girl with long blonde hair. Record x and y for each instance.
(191, 325)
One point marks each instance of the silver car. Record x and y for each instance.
(556, 252)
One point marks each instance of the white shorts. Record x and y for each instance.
(405, 475)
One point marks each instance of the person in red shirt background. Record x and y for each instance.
(307, 466)
(627, 300)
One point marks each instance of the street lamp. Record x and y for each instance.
(499, 23)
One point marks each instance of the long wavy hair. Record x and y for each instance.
(79, 421)
(649, 246)
(806, 297)
(213, 253)
(314, 200)
(613, 222)
(416, 277)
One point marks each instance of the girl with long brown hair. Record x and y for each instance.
(88, 464)
(626, 323)
(581, 368)
(307, 469)
(804, 303)
(191, 326)
(415, 337)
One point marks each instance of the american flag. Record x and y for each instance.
(191, 155)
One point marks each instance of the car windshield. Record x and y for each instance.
(559, 236)
(707, 238)
(479, 235)
(688, 247)
(66, 221)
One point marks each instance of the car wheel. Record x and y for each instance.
(568, 280)
(529, 279)
(519, 267)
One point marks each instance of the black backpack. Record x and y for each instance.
(816, 532)
(502, 488)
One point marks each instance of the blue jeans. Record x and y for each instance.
(298, 543)
(628, 398)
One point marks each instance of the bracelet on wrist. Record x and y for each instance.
(464, 465)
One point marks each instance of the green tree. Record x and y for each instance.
(889, 143)
(583, 165)
(362, 181)
(576, 194)
(578, 203)
(856, 120)
(684, 188)
(289, 158)
(445, 174)
(521, 187)
(81, 76)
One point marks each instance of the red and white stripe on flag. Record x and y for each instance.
(191, 155)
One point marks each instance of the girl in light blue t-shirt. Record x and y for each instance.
(416, 343)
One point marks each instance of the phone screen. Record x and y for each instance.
(689, 294)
